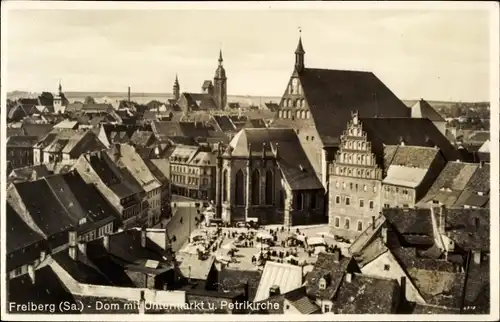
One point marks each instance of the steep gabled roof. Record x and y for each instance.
(287, 277)
(333, 94)
(422, 109)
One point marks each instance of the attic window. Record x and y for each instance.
(322, 283)
(387, 267)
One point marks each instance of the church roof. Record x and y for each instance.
(422, 109)
(333, 94)
(200, 101)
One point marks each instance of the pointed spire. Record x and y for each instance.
(220, 57)
(300, 48)
(60, 87)
(176, 83)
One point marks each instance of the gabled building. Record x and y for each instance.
(449, 185)
(317, 103)
(61, 145)
(117, 187)
(477, 191)
(29, 173)
(377, 167)
(67, 206)
(265, 175)
(126, 158)
(20, 150)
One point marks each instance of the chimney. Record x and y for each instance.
(82, 247)
(402, 285)
(128, 94)
(477, 256)
(274, 290)
(348, 277)
(476, 223)
(73, 252)
(42, 255)
(442, 219)
(373, 222)
(142, 304)
(105, 242)
(336, 255)
(384, 234)
(143, 237)
(31, 273)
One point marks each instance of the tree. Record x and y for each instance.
(47, 96)
(89, 100)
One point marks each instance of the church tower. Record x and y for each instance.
(220, 85)
(59, 102)
(177, 89)
(299, 56)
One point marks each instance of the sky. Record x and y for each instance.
(436, 55)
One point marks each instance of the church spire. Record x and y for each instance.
(220, 57)
(60, 87)
(177, 88)
(299, 54)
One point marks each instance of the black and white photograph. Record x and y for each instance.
(277, 161)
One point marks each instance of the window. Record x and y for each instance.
(337, 222)
(347, 201)
(360, 226)
(299, 204)
(361, 203)
(387, 267)
(365, 188)
(240, 188)
(327, 308)
(269, 187)
(337, 184)
(346, 223)
(374, 189)
(386, 205)
(405, 192)
(351, 186)
(255, 187)
(371, 204)
(307, 138)
(356, 187)
(322, 284)
(343, 185)
(337, 200)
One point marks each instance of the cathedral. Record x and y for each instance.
(213, 95)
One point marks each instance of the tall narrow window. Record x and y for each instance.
(225, 187)
(312, 201)
(240, 188)
(255, 187)
(299, 199)
(269, 187)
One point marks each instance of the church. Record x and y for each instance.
(317, 103)
(213, 95)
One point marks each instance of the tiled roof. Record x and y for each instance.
(338, 92)
(230, 279)
(370, 252)
(450, 183)
(272, 106)
(326, 267)
(191, 266)
(422, 109)
(366, 295)
(469, 228)
(477, 287)
(38, 130)
(21, 141)
(15, 131)
(479, 136)
(287, 277)
(19, 234)
(44, 208)
(142, 138)
(292, 160)
(29, 173)
(301, 302)
(411, 222)
(200, 101)
(47, 289)
(66, 124)
(81, 269)
(414, 156)
(413, 132)
(478, 183)
(161, 168)
(440, 282)
(224, 122)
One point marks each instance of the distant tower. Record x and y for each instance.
(177, 89)
(60, 89)
(220, 85)
(299, 55)
(59, 101)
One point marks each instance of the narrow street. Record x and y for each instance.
(181, 230)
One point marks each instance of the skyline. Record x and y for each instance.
(426, 54)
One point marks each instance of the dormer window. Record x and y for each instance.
(322, 283)
(480, 193)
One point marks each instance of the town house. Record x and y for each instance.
(20, 150)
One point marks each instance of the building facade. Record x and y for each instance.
(265, 176)
(20, 150)
(355, 183)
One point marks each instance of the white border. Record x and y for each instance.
(291, 5)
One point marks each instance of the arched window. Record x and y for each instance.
(303, 114)
(255, 187)
(297, 114)
(269, 187)
(240, 189)
(289, 103)
(225, 187)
